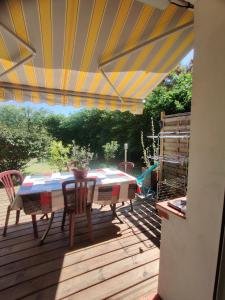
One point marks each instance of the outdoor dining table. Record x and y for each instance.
(42, 194)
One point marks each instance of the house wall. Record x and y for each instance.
(189, 247)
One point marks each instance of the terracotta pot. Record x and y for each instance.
(80, 173)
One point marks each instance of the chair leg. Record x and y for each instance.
(48, 228)
(114, 214)
(6, 221)
(17, 216)
(72, 229)
(90, 228)
(131, 205)
(44, 216)
(63, 219)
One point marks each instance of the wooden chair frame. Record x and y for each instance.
(127, 166)
(79, 205)
(6, 180)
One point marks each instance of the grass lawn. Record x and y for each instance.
(35, 167)
(40, 167)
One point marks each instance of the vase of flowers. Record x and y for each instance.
(80, 161)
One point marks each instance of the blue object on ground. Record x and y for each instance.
(146, 190)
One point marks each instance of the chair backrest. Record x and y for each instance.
(146, 173)
(126, 166)
(78, 193)
(7, 181)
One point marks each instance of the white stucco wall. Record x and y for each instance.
(189, 247)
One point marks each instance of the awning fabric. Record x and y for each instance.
(70, 41)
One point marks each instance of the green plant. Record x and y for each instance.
(146, 152)
(110, 150)
(81, 157)
(59, 155)
(18, 146)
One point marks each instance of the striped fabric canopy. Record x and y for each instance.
(108, 54)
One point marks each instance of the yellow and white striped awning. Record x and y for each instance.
(107, 54)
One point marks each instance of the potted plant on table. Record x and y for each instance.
(80, 161)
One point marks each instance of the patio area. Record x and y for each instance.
(121, 263)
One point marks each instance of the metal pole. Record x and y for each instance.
(110, 83)
(125, 156)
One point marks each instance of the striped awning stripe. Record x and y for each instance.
(72, 39)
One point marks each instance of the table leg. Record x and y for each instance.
(114, 214)
(48, 228)
(44, 216)
(34, 222)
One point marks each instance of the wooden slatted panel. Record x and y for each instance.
(174, 148)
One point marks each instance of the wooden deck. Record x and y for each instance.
(122, 263)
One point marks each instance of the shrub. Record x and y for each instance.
(19, 146)
(110, 150)
(59, 155)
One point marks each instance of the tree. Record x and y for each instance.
(27, 118)
(18, 146)
(173, 95)
(110, 150)
(22, 136)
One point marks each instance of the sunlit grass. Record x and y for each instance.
(40, 167)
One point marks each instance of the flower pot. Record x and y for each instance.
(80, 173)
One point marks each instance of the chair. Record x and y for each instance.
(145, 189)
(78, 198)
(109, 195)
(126, 166)
(7, 181)
(132, 190)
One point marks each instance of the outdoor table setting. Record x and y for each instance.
(42, 194)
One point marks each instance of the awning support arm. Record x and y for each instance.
(110, 83)
(26, 45)
(145, 43)
(136, 48)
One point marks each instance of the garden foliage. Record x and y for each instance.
(110, 150)
(26, 133)
(59, 155)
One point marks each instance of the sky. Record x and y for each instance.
(66, 110)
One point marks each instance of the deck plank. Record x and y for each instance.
(122, 263)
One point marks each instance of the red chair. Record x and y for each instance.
(78, 198)
(7, 181)
(126, 166)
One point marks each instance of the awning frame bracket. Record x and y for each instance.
(136, 48)
(25, 44)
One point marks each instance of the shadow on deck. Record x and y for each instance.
(122, 263)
